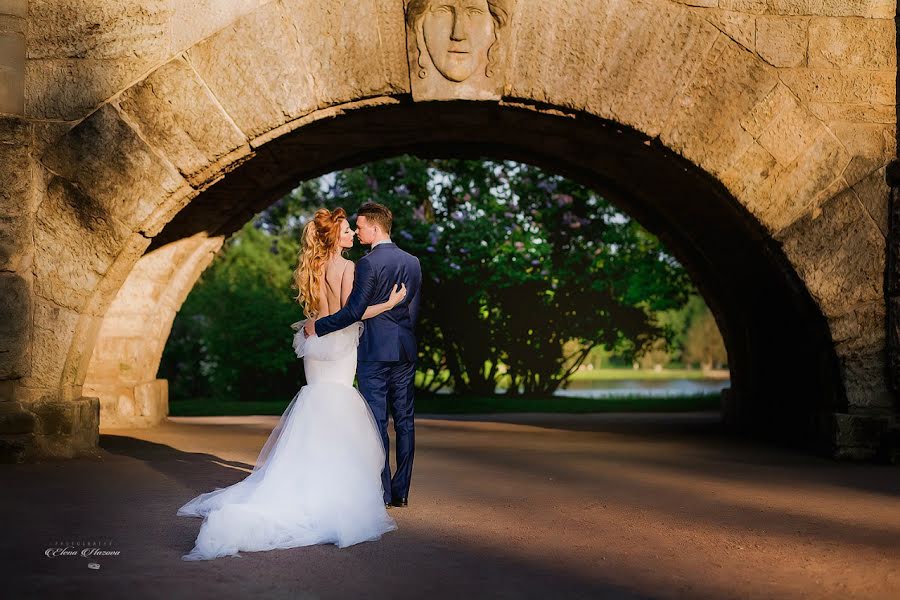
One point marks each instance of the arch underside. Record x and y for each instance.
(784, 370)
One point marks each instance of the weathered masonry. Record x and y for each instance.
(753, 136)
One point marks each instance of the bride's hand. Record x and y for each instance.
(397, 294)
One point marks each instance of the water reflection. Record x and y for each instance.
(652, 388)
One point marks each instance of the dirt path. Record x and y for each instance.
(522, 507)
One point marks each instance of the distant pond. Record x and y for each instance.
(643, 387)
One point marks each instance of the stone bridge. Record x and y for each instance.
(754, 137)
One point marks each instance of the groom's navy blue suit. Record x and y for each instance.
(386, 360)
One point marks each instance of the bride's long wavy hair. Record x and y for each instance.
(318, 244)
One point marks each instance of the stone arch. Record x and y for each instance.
(770, 155)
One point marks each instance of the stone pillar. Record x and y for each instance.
(868, 432)
(892, 298)
(35, 418)
(17, 200)
(12, 56)
(893, 277)
(127, 353)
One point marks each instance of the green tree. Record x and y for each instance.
(703, 343)
(517, 263)
(525, 272)
(233, 331)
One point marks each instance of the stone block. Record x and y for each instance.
(853, 113)
(812, 177)
(839, 253)
(7, 390)
(152, 400)
(876, 9)
(56, 417)
(751, 7)
(871, 145)
(858, 431)
(865, 376)
(178, 115)
(841, 86)
(257, 69)
(100, 30)
(194, 20)
(48, 133)
(16, 448)
(707, 129)
(109, 404)
(86, 434)
(124, 325)
(15, 306)
(572, 55)
(12, 72)
(790, 133)
(66, 428)
(134, 247)
(136, 405)
(139, 296)
(750, 170)
(782, 41)
(76, 240)
(70, 88)
(852, 43)
(861, 328)
(54, 329)
(354, 48)
(874, 194)
(644, 84)
(15, 419)
(114, 166)
(11, 24)
(778, 101)
(15, 326)
(17, 203)
(27, 394)
(739, 26)
(15, 8)
(15, 131)
(893, 337)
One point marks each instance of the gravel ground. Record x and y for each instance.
(502, 506)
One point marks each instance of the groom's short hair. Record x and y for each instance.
(379, 213)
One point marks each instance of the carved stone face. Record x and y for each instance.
(458, 34)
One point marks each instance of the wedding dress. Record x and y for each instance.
(318, 477)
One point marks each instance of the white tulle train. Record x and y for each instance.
(318, 477)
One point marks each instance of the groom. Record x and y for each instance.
(386, 363)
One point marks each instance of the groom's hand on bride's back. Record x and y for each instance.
(309, 328)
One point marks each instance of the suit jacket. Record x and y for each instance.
(390, 336)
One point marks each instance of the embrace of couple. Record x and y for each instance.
(323, 476)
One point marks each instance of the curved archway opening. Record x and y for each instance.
(784, 371)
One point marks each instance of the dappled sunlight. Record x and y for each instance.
(622, 503)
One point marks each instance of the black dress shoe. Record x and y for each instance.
(399, 501)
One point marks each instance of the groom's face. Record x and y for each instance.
(365, 230)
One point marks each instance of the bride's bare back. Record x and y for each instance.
(338, 281)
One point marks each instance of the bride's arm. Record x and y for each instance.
(373, 310)
(397, 296)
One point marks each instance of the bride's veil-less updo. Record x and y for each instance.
(317, 245)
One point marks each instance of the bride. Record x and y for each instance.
(317, 479)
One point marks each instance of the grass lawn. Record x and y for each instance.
(616, 374)
(626, 373)
(452, 404)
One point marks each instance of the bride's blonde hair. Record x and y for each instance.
(317, 245)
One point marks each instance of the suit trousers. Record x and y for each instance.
(388, 388)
